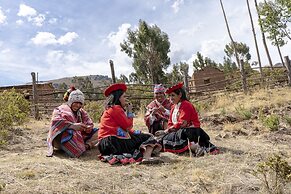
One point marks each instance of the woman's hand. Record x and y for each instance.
(81, 127)
(129, 107)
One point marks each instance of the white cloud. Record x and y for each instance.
(38, 20)
(31, 15)
(47, 38)
(53, 21)
(115, 38)
(5, 51)
(26, 11)
(59, 57)
(176, 5)
(120, 58)
(2, 17)
(213, 49)
(44, 38)
(19, 22)
(191, 31)
(67, 38)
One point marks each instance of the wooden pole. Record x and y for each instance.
(112, 71)
(186, 80)
(256, 43)
(288, 67)
(35, 96)
(243, 76)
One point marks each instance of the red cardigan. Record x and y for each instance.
(115, 122)
(187, 116)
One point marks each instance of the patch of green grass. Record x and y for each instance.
(272, 122)
(243, 112)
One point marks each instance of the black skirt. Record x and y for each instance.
(115, 146)
(178, 141)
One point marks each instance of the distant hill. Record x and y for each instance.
(96, 80)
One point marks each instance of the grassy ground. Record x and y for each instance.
(244, 141)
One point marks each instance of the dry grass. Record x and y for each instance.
(256, 99)
(24, 168)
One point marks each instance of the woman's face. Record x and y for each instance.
(76, 106)
(122, 100)
(160, 96)
(175, 98)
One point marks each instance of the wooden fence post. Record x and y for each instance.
(112, 71)
(243, 76)
(288, 67)
(186, 81)
(35, 97)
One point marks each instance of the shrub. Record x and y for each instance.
(272, 122)
(275, 173)
(14, 110)
(95, 110)
(243, 112)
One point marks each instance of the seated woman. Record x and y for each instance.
(71, 128)
(184, 130)
(118, 142)
(158, 111)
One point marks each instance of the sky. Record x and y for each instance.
(65, 38)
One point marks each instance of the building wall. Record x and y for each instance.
(207, 79)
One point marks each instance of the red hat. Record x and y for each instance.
(114, 87)
(175, 87)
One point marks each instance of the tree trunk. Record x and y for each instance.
(232, 41)
(254, 34)
(279, 51)
(263, 37)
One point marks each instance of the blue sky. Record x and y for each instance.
(64, 38)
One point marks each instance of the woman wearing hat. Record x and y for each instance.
(71, 128)
(158, 111)
(184, 130)
(118, 142)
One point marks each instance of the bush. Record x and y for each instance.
(275, 173)
(272, 122)
(14, 110)
(95, 110)
(243, 112)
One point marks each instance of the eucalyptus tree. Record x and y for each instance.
(255, 39)
(148, 46)
(242, 51)
(123, 78)
(264, 37)
(229, 34)
(200, 62)
(275, 16)
(178, 73)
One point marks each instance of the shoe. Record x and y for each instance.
(200, 151)
(131, 161)
(114, 160)
(124, 161)
(214, 152)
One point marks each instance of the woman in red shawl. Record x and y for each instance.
(118, 142)
(184, 130)
(71, 128)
